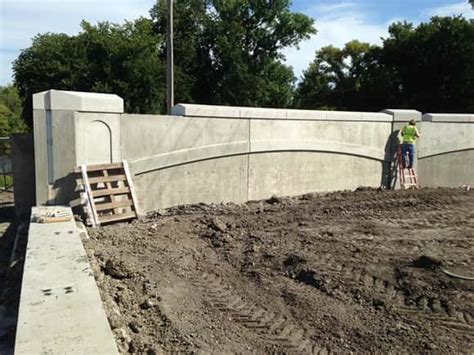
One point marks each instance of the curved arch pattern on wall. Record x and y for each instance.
(445, 148)
(216, 151)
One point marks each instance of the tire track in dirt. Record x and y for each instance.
(447, 316)
(274, 328)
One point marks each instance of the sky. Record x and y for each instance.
(337, 21)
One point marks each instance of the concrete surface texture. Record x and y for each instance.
(221, 154)
(446, 150)
(60, 308)
(218, 154)
(23, 152)
(66, 136)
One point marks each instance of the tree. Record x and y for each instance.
(10, 112)
(120, 59)
(227, 52)
(434, 63)
(429, 68)
(351, 78)
(230, 52)
(10, 104)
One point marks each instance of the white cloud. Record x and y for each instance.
(337, 24)
(460, 8)
(21, 20)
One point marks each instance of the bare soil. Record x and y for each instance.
(343, 272)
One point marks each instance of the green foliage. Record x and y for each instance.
(434, 63)
(10, 114)
(430, 68)
(120, 59)
(229, 52)
(351, 78)
(226, 52)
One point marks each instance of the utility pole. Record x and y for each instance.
(169, 60)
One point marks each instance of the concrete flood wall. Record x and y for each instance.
(214, 154)
(219, 154)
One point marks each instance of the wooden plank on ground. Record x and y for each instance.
(117, 217)
(131, 186)
(90, 198)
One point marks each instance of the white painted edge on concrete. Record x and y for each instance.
(448, 117)
(194, 110)
(77, 101)
(60, 307)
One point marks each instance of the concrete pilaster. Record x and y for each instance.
(72, 128)
(400, 118)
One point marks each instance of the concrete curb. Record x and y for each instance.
(60, 307)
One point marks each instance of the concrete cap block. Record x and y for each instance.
(343, 116)
(448, 117)
(401, 115)
(376, 117)
(306, 114)
(269, 113)
(194, 110)
(77, 101)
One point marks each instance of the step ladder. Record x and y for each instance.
(106, 193)
(408, 176)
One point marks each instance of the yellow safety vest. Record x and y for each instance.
(409, 134)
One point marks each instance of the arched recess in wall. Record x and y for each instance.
(98, 142)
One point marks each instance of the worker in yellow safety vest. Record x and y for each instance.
(409, 136)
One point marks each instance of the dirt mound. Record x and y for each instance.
(341, 272)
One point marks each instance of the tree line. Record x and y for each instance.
(231, 53)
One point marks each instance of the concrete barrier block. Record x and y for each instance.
(192, 110)
(401, 115)
(376, 117)
(77, 101)
(306, 114)
(263, 113)
(60, 307)
(343, 116)
(448, 117)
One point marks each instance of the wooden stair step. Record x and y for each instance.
(117, 217)
(112, 205)
(98, 167)
(110, 178)
(107, 192)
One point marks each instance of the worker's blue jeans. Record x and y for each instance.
(410, 149)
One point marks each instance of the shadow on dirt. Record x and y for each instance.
(13, 237)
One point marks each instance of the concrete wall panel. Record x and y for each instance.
(171, 140)
(452, 170)
(209, 181)
(289, 173)
(446, 150)
(358, 138)
(98, 138)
